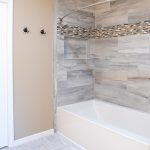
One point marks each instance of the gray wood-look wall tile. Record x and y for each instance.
(117, 13)
(103, 47)
(75, 48)
(84, 18)
(74, 95)
(75, 81)
(134, 44)
(121, 65)
(138, 10)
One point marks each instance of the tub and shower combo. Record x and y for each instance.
(99, 125)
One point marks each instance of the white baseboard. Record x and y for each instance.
(81, 147)
(32, 138)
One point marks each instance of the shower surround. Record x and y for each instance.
(115, 69)
(122, 64)
(74, 82)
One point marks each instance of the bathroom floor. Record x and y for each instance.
(55, 142)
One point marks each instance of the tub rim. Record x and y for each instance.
(107, 126)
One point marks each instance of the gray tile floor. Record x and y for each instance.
(55, 142)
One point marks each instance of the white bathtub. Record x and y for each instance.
(96, 125)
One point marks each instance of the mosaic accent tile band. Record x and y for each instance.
(103, 32)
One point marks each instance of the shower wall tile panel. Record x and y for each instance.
(121, 12)
(114, 13)
(117, 69)
(74, 76)
(122, 64)
(84, 18)
(75, 48)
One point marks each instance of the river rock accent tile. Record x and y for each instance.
(103, 32)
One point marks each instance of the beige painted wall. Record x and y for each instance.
(33, 67)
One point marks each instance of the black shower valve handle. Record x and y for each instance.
(43, 32)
